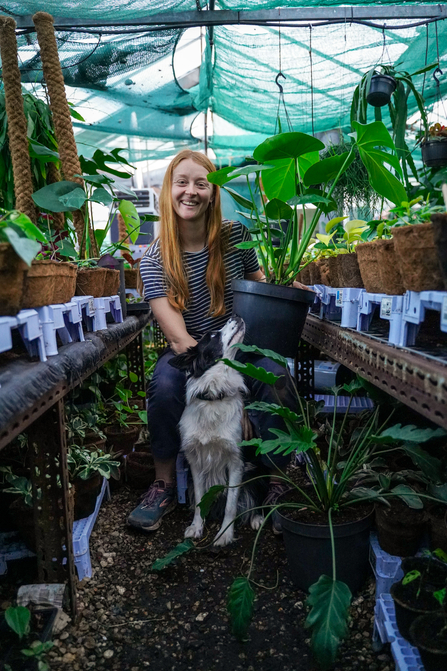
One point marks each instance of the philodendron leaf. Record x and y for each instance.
(408, 496)
(430, 466)
(329, 600)
(24, 247)
(18, 618)
(131, 218)
(240, 200)
(352, 387)
(240, 606)
(220, 177)
(326, 170)
(286, 145)
(50, 197)
(438, 492)
(100, 195)
(408, 434)
(277, 209)
(248, 170)
(74, 199)
(274, 409)
(179, 550)
(208, 499)
(270, 354)
(280, 182)
(252, 371)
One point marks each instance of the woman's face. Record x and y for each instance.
(191, 191)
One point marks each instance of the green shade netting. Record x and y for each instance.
(129, 88)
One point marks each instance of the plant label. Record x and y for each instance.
(385, 307)
(339, 298)
(91, 306)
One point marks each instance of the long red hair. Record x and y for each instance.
(170, 246)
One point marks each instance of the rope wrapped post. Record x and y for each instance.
(61, 116)
(53, 176)
(17, 125)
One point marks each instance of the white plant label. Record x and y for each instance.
(339, 298)
(385, 307)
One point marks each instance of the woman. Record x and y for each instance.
(187, 275)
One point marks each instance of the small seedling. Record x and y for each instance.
(17, 618)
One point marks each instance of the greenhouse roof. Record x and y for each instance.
(118, 62)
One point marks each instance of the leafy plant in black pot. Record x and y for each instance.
(429, 634)
(434, 146)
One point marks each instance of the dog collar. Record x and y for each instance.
(207, 397)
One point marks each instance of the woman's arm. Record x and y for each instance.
(172, 324)
(257, 276)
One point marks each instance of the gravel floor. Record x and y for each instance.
(133, 619)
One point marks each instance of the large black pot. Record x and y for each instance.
(308, 549)
(434, 153)
(380, 90)
(274, 315)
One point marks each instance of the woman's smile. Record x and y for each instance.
(191, 191)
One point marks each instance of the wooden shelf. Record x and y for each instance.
(417, 380)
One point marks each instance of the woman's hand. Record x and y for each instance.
(298, 285)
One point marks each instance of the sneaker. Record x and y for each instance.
(276, 490)
(158, 501)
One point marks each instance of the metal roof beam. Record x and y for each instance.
(229, 17)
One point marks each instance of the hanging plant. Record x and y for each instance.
(381, 89)
(434, 147)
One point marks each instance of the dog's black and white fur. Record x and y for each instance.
(210, 426)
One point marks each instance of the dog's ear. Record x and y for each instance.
(185, 361)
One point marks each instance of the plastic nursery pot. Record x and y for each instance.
(91, 282)
(122, 438)
(12, 279)
(112, 282)
(140, 470)
(399, 528)
(49, 282)
(349, 271)
(390, 277)
(434, 153)
(308, 549)
(380, 90)
(86, 493)
(418, 258)
(274, 315)
(437, 526)
(408, 605)
(434, 571)
(368, 260)
(428, 634)
(439, 223)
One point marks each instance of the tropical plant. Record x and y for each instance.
(343, 239)
(38, 651)
(20, 232)
(84, 464)
(20, 486)
(18, 619)
(290, 167)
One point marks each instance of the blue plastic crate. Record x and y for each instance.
(182, 472)
(405, 655)
(81, 536)
(387, 568)
(12, 547)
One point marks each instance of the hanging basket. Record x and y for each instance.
(380, 90)
(434, 153)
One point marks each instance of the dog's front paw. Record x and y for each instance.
(194, 531)
(224, 538)
(256, 521)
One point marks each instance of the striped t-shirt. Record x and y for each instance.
(238, 262)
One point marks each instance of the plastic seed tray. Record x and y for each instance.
(406, 657)
(387, 568)
(358, 404)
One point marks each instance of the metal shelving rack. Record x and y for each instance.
(418, 380)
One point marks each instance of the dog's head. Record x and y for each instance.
(213, 346)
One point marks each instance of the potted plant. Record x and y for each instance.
(19, 244)
(429, 634)
(342, 244)
(290, 167)
(24, 636)
(124, 425)
(86, 470)
(434, 146)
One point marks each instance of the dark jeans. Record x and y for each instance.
(166, 402)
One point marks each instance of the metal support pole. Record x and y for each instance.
(135, 363)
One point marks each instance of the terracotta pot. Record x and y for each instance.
(48, 282)
(86, 493)
(121, 439)
(315, 273)
(399, 528)
(91, 282)
(349, 271)
(140, 470)
(112, 282)
(369, 267)
(418, 258)
(130, 278)
(390, 277)
(12, 280)
(439, 222)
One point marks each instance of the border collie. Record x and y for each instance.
(211, 428)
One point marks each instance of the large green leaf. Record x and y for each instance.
(49, 197)
(275, 409)
(309, 199)
(249, 170)
(18, 619)
(301, 440)
(240, 606)
(329, 600)
(24, 247)
(208, 499)
(100, 195)
(369, 137)
(286, 145)
(240, 200)
(277, 209)
(44, 154)
(252, 371)
(326, 170)
(438, 491)
(176, 552)
(270, 354)
(408, 433)
(131, 219)
(74, 199)
(409, 496)
(220, 177)
(430, 466)
(280, 182)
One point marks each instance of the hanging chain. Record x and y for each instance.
(281, 100)
(311, 79)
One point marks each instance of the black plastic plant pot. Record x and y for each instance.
(408, 608)
(380, 90)
(274, 315)
(308, 549)
(434, 153)
(427, 635)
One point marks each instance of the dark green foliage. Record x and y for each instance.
(208, 499)
(180, 549)
(240, 606)
(18, 618)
